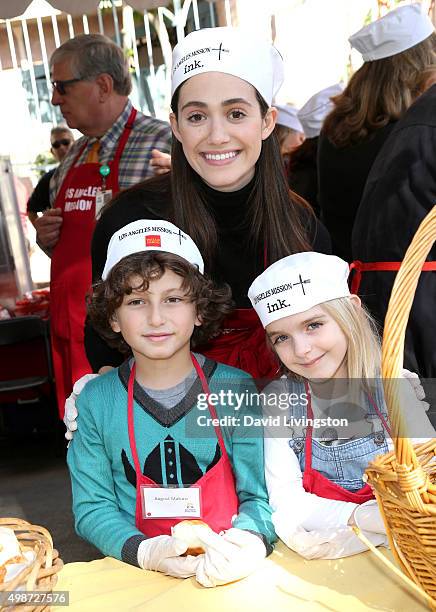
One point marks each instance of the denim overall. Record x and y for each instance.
(342, 464)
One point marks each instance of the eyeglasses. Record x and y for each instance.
(58, 143)
(60, 85)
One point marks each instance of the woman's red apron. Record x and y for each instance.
(360, 267)
(315, 482)
(218, 491)
(242, 344)
(71, 266)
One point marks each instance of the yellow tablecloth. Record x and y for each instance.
(285, 582)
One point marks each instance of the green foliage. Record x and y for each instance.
(42, 161)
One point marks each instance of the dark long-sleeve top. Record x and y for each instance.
(234, 264)
(342, 174)
(400, 191)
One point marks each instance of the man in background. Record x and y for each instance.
(61, 139)
(91, 84)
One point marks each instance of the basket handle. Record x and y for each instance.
(394, 335)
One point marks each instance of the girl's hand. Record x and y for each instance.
(368, 518)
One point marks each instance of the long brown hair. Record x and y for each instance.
(379, 92)
(275, 213)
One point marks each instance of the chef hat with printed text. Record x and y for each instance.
(316, 109)
(397, 31)
(297, 283)
(151, 235)
(287, 116)
(230, 50)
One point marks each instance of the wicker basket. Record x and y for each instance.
(41, 575)
(405, 479)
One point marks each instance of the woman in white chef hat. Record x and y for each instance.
(326, 419)
(227, 185)
(303, 165)
(289, 130)
(397, 51)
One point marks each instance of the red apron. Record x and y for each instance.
(71, 276)
(315, 482)
(242, 344)
(218, 492)
(380, 266)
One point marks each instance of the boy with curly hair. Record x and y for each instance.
(148, 453)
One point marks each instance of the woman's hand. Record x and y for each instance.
(70, 412)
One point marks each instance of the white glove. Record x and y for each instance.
(229, 557)
(413, 379)
(70, 414)
(368, 518)
(162, 554)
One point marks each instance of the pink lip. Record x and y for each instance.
(157, 337)
(309, 364)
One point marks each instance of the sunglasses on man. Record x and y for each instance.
(60, 85)
(59, 143)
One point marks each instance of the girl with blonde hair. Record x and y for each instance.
(319, 441)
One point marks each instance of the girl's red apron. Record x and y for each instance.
(218, 492)
(71, 266)
(360, 267)
(315, 482)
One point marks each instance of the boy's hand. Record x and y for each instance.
(70, 414)
(229, 557)
(162, 554)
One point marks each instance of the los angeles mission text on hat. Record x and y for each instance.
(144, 230)
(273, 291)
(191, 54)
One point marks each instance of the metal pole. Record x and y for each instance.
(212, 15)
(196, 15)
(31, 68)
(70, 26)
(179, 25)
(228, 13)
(100, 21)
(45, 63)
(55, 31)
(117, 27)
(150, 54)
(11, 44)
(85, 24)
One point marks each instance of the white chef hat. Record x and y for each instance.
(316, 109)
(150, 235)
(400, 29)
(297, 283)
(232, 51)
(287, 116)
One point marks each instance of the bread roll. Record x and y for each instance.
(10, 551)
(189, 532)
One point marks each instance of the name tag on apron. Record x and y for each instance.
(170, 502)
(102, 198)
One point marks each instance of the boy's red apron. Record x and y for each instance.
(218, 492)
(242, 344)
(380, 266)
(315, 482)
(71, 266)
